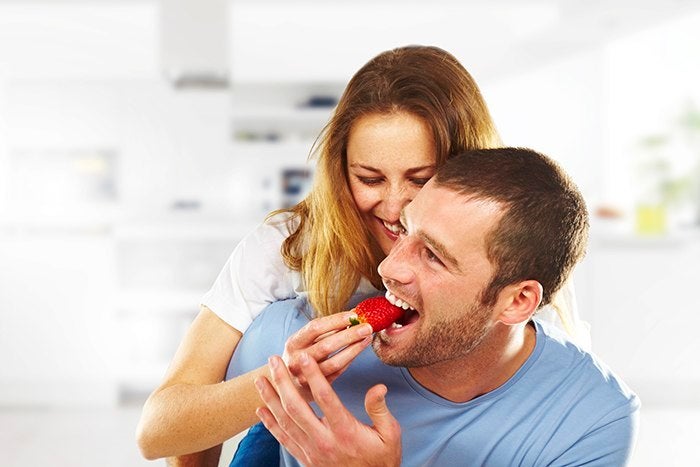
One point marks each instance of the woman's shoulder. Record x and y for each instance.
(284, 222)
(271, 232)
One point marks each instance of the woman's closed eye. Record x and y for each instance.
(370, 181)
(420, 181)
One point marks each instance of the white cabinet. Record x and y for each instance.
(278, 112)
(273, 130)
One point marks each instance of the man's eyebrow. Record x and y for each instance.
(438, 246)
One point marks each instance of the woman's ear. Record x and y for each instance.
(519, 301)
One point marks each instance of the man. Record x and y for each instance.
(467, 377)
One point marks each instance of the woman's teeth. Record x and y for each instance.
(394, 228)
(397, 301)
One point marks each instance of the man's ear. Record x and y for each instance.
(518, 302)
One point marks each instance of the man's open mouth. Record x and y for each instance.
(410, 315)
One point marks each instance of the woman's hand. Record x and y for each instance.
(330, 342)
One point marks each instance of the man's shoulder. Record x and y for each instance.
(268, 333)
(580, 371)
(278, 321)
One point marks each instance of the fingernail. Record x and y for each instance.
(365, 330)
(304, 358)
(258, 384)
(272, 361)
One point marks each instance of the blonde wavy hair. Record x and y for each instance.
(331, 246)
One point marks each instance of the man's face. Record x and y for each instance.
(439, 267)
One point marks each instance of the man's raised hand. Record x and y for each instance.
(336, 439)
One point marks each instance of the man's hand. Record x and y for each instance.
(336, 439)
(330, 342)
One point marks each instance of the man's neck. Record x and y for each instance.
(495, 360)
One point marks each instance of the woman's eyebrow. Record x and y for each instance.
(408, 171)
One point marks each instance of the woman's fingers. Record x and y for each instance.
(330, 345)
(337, 363)
(338, 341)
(308, 334)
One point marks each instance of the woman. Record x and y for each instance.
(399, 118)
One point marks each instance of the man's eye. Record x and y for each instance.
(432, 256)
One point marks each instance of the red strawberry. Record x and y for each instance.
(378, 312)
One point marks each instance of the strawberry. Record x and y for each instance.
(378, 312)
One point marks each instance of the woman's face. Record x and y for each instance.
(390, 157)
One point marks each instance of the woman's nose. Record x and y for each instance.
(396, 198)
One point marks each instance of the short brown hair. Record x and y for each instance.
(543, 231)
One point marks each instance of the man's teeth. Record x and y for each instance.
(394, 228)
(397, 301)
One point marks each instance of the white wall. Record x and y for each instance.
(556, 109)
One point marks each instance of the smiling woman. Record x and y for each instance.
(384, 178)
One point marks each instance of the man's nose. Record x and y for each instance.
(396, 267)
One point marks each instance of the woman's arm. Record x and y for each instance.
(193, 410)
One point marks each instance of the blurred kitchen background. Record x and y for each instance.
(141, 139)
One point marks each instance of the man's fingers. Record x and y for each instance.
(384, 422)
(333, 409)
(293, 403)
(268, 419)
(272, 400)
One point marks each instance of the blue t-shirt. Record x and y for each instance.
(562, 407)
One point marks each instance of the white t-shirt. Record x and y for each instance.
(255, 276)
